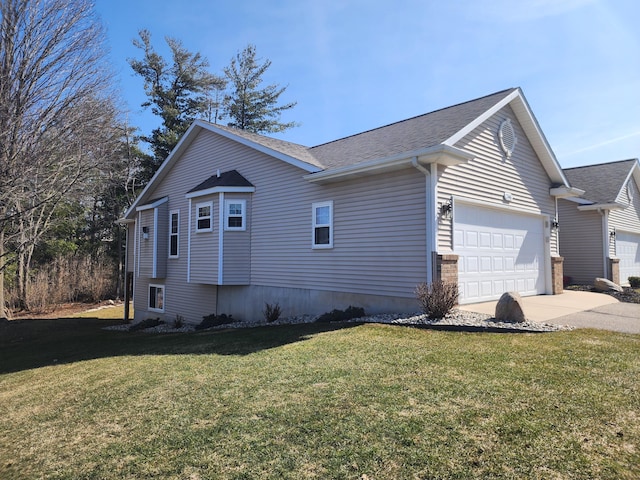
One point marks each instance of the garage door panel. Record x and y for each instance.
(628, 251)
(498, 251)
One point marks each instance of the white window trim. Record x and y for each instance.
(227, 215)
(315, 206)
(198, 207)
(164, 298)
(177, 234)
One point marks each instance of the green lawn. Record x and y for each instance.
(316, 401)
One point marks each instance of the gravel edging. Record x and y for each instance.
(457, 320)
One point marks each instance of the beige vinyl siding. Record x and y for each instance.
(379, 225)
(237, 248)
(581, 243)
(145, 246)
(627, 219)
(204, 245)
(378, 239)
(490, 174)
(162, 240)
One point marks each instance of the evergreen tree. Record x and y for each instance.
(248, 106)
(178, 92)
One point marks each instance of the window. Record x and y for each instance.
(235, 214)
(156, 298)
(204, 217)
(323, 225)
(174, 233)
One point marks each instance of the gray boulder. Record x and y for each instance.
(604, 285)
(509, 308)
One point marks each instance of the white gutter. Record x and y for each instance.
(565, 192)
(602, 206)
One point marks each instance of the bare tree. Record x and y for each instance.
(54, 99)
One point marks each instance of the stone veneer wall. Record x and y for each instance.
(614, 268)
(557, 275)
(447, 268)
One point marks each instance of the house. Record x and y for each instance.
(233, 220)
(600, 231)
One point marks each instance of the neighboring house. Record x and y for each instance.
(234, 220)
(600, 231)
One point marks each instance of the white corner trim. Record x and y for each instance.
(221, 239)
(155, 243)
(189, 242)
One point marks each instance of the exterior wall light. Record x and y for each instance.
(555, 224)
(612, 234)
(446, 209)
(145, 233)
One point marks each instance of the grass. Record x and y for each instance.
(316, 401)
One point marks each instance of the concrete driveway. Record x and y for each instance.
(578, 309)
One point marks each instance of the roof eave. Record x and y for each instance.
(602, 206)
(566, 192)
(440, 154)
(214, 190)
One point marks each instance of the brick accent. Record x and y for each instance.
(614, 268)
(557, 275)
(447, 268)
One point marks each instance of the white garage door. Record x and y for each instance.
(499, 251)
(628, 251)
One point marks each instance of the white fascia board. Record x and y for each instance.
(125, 221)
(149, 206)
(566, 192)
(441, 154)
(211, 191)
(602, 206)
(531, 127)
(634, 173)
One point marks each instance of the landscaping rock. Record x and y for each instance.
(604, 285)
(509, 308)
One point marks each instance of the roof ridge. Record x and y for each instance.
(414, 117)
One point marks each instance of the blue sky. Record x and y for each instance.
(354, 65)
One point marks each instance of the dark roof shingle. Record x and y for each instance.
(227, 179)
(602, 182)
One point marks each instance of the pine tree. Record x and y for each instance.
(248, 106)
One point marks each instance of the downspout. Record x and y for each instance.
(605, 241)
(430, 224)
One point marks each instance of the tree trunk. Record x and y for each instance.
(3, 310)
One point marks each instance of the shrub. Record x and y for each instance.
(336, 315)
(437, 299)
(148, 323)
(271, 312)
(178, 322)
(214, 320)
(634, 282)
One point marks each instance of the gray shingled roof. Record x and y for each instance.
(299, 152)
(226, 179)
(408, 135)
(405, 136)
(602, 182)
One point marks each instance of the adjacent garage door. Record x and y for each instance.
(628, 251)
(498, 251)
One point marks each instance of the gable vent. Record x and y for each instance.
(507, 137)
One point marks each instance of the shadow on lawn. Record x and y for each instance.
(27, 344)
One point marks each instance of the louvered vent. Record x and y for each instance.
(508, 138)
